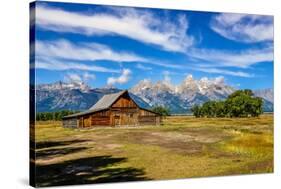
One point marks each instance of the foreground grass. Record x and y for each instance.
(182, 147)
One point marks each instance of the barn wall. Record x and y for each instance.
(80, 122)
(129, 119)
(124, 112)
(101, 118)
(146, 113)
(86, 121)
(158, 120)
(148, 118)
(124, 102)
(70, 123)
(124, 117)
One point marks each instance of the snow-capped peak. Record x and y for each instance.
(64, 86)
(213, 88)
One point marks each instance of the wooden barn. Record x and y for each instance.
(117, 109)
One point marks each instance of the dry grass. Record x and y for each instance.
(182, 147)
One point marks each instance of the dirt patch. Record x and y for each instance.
(177, 143)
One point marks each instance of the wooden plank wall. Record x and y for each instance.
(147, 120)
(71, 123)
(146, 113)
(101, 118)
(124, 102)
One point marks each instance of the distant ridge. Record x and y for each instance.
(179, 99)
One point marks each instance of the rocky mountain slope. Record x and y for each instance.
(179, 99)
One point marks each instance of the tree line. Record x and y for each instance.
(55, 116)
(241, 103)
(163, 111)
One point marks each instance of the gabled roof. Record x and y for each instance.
(104, 103)
(82, 113)
(107, 100)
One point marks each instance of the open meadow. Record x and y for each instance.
(182, 147)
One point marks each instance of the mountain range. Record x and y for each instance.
(178, 98)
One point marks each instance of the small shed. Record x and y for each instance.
(117, 109)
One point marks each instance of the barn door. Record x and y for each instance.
(117, 120)
(130, 119)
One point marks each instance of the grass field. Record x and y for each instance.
(182, 147)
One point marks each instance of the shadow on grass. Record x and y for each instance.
(50, 149)
(48, 153)
(48, 144)
(85, 171)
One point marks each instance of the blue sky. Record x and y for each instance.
(119, 46)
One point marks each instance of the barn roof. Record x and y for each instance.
(107, 100)
(104, 103)
(82, 113)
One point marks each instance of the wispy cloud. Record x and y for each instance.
(62, 48)
(88, 76)
(79, 78)
(223, 71)
(123, 78)
(243, 27)
(142, 67)
(54, 64)
(73, 78)
(238, 59)
(141, 25)
(235, 63)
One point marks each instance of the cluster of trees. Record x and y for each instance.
(241, 103)
(163, 111)
(56, 116)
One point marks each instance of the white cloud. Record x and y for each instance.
(53, 64)
(165, 64)
(87, 76)
(140, 25)
(82, 51)
(241, 59)
(73, 78)
(123, 78)
(142, 67)
(79, 78)
(243, 27)
(223, 71)
(64, 49)
(219, 80)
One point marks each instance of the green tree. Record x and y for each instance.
(241, 103)
(163, 111)
(196, 111)
(220, 110)
(45, 116)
